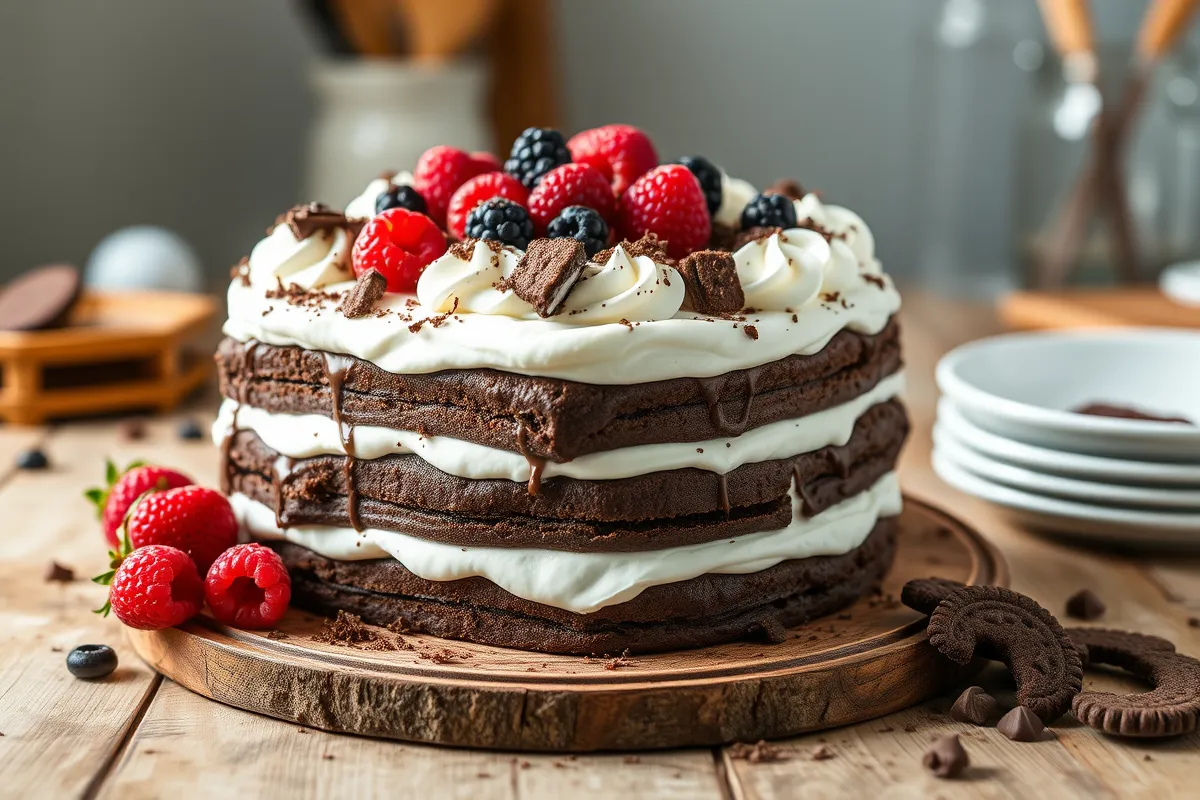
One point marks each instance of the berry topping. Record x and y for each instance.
(583, 225)
(535, 152)
(502, 221)
(402, 196)
(710, 179)
(769, 211)
(113, 500)
(156, 587)
(668, 202)
(194, 519)
(248, 587)
(400, 244)
(91, 661)
(475, 191)
(439, 171)
(487, 159)
(622, 153)
(570, 185)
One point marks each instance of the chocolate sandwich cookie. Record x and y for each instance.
(705, 610)
(40, 298)
(556, 419)
(711, 280)
(546, 273)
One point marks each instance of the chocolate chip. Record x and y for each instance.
(368, 289)
(946, 757)
(40, 298)
(91, 661)
(711, 281)
(32, 460)
(1085, 605)
(547, 273)
(57, 572)
(1021, 725)
(974, 705)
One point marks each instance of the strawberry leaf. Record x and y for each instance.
(103, 610)
(111, 475)
(105, 579)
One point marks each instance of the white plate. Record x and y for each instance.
(1061, 462)
(1181, 283)
(1092, 492)
(1022, 386)
(1078, 520)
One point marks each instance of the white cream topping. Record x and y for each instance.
(844, 224)
(587, 582)
(313, 263)
(634, 289)
(735, 195)
(785, 270)
(363, 206)
(309, 435)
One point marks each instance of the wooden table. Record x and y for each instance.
(138, 735)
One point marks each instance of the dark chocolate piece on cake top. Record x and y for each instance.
(711, 280)
(787, 187)
(307, 219)
(546, 273)
(360, 301)
(649, 246)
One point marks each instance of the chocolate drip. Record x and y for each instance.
(806, 501)
(337, 368)
(226, 463)
(839, 459)
(712, 389)
(723, 488)
(279, 473)
(246, 372)
(537, 464)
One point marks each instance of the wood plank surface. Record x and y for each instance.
(131, 736)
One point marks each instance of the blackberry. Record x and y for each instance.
(710, 180)
(583, 225)
(91, 661)
(502, 221)
(535, 152)
(402, 196)
(769, 211)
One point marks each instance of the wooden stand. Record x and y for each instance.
(119, 351)
(869, 661)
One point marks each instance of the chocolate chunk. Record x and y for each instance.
(946, 757)
(649, 246)
(1125, 412)
(974, 705)
(1002, 625)
(547, 273)
(756, 234)
(1021, 725)
(1171, 708)
(40, 298)
(924, 594)
(711, 281)
(1085, 605)
(368, 289)
(56, 572)
(307, 219)
(786, 187)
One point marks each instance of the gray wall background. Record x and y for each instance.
(193, 115)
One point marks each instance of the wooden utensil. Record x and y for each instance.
(368, 25)
(438, 30)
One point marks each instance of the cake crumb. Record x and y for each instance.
(349, 630)
(757, 753)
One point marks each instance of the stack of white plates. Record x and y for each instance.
(1007, 432)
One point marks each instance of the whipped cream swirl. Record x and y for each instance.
(363, 206)
(624, 288)
(312, 263)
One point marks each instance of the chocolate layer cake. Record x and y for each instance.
(568, 453)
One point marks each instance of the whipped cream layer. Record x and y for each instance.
(309, 435)
(587, 582)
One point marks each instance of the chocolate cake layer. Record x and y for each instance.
(550, 418)
(705, 610)
(824, 477)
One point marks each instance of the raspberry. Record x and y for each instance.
(402, 196)
(400, 244)
(195, 519)
(487, 159)
(710, 180)
(583, 225)
(440, 170)
(769, 211)
(501, 220)
(622, 153)
(570, 185)
(667, 201)
(114, 499)
(535, 152)
(248, 587)
(156, 587)
(475, 191)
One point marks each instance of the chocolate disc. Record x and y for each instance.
(39, 298)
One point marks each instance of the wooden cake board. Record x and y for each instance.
(870, 660)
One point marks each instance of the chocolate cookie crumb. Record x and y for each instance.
(750, 331)
(757, 753)
(711, 282)
(277, 635)
(348, 630)
(546, 274)
(946, 757)
(1085, 605)
(368, 290)
(56, 572)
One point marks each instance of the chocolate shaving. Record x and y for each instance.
(368, 290)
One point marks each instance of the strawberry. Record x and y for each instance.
(621, 153)
(400, 244)
(113, 500)
(440, 170)
(477, 190)
(570, 185)
(668, 202)
(195, 519)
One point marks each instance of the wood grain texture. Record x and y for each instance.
(1089, 308)
(868, 661)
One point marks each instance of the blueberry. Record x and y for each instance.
(769, 211)
(583, 225)
(535, 152)
(32, 459)
(709, 177)
(502, 221)
(402, 196)
(190, 430)
(91, 661)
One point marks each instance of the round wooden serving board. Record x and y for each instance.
(868, 661)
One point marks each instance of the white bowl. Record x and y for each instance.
(1181, 283)
(1022, 387)
(1071, 519)
(1091, 492)
(1061, 462)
